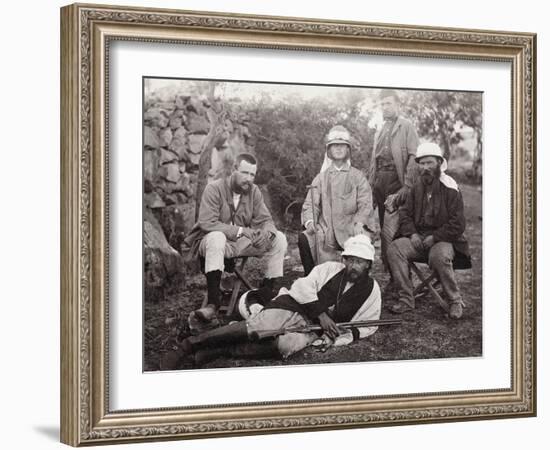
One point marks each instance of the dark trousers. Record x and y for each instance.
(386, 183)
(305, 254)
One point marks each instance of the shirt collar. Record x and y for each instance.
(344, 168)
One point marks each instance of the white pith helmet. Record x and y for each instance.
(428, 149)
(338, 135)
(360, 246)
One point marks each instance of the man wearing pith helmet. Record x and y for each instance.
(337, 206)
(333, 292)
(431, 227)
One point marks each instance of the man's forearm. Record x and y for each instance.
(230, 231)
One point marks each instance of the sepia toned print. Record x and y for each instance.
(257, 197)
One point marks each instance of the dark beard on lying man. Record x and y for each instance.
(360, 276)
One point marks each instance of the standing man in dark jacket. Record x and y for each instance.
(432, 224)
(392, 168)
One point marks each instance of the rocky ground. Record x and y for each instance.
(425, 332)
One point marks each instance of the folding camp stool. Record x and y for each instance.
(429, 279)
(236, 266)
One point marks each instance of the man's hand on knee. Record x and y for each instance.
(417, 243)
(262, 239)
(428, 242)
(248, 233)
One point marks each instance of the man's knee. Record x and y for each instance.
(290, 343)
(215, 240)
(441, 255)
(394, 251)
(279, 242)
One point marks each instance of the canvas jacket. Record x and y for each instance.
(216, 213)
(339, 205)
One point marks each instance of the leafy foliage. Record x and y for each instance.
(289, 131)
(290, 142)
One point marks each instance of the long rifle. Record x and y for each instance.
(317, 255)
(264, 334)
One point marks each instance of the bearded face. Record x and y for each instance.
(356, 267)
(242, 177)
(430, 169)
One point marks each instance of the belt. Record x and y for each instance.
(386, 168)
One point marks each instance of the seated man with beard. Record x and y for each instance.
(431, 226)
(332, 293)
(234, 221)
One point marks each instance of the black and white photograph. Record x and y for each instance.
(297, 224)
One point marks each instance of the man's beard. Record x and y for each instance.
(428, 176)
(353, 275)
(240, 188)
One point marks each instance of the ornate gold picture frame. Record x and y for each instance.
(87, 34)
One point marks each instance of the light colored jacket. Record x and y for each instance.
(404, 142)
(216, 211)
(340, 199)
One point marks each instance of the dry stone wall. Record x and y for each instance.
(177, 129)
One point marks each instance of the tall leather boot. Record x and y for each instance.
(218, 337)
(213, 279)
(222, 336)
(267, 288)
(305, 254)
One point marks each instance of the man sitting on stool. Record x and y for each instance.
(234, 221)
(431, 223)
(333, 292)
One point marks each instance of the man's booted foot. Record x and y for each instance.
(456, 310)
(206, 314)
(268, 286)
(228, 334)
(174, 359)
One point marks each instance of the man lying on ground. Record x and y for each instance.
(333, 292)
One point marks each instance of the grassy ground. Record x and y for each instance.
(425, 333)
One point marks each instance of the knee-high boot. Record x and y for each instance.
(268, 288)
(208, 313)
(222, 336)
(213, 280)
(218, 337)
(305, 254)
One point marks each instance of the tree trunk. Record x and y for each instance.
(215, 137)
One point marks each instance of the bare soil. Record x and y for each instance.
(425, 333)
